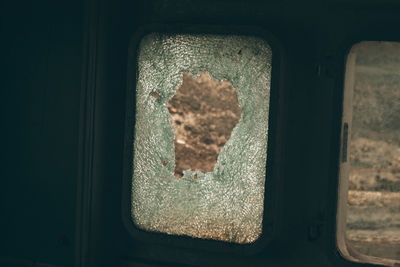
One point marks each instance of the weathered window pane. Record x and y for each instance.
(200, 141)
(372, 109)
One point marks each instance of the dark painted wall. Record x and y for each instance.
(42, 58)
(41, 48)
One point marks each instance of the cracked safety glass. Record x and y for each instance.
(200, 136)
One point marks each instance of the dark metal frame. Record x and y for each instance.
(88, 195)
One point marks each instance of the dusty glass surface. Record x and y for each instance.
(225, 202)
(373, 206)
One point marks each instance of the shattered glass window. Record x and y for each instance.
(200, 135)
(372, 167)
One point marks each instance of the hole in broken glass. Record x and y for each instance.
(203, 112)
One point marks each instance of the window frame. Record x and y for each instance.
(338, 215)
(270, 224)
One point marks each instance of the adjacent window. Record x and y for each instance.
(369, 194)
(200, 136)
